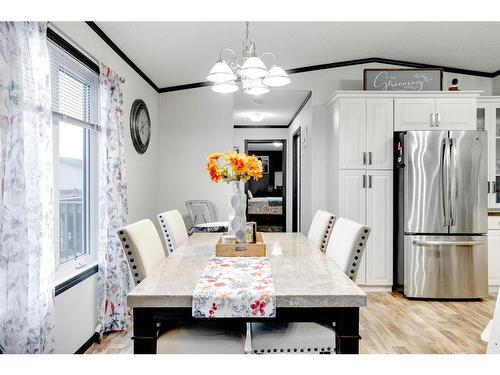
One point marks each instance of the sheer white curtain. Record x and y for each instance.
(114, 280)
(26, 190)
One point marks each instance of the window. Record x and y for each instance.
(74, 109)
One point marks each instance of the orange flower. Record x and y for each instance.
(235, 167)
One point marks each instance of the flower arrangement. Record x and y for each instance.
(233, 166)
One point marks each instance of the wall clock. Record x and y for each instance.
(140, 126)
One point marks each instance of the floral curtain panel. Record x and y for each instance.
(115, 279)
(26, 190)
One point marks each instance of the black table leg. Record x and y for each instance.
(347, 329)
(145, 331)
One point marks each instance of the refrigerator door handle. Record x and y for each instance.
(448, 243)
(443, 183)
(452, 183)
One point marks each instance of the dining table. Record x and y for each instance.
(309, 287)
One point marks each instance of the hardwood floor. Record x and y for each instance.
(393, 324)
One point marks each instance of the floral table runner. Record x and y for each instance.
(235, 287)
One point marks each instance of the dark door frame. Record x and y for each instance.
(295, 182)
(285, 174)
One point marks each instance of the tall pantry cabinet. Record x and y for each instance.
(361, 177)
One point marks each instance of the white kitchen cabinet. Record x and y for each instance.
(366, 197)
(379, 132)
(352, 119)
(379, 214)
(365, 133)
(455, 113)
(413, 113)
(488, 118)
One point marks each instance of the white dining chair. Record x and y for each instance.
(345, 247)
(491, 333)
(173, 228)
(144, 251)
(320, 229)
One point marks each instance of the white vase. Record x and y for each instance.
(237, 213)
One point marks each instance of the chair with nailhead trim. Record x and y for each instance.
(144, 250)
(345, 247)
(321, 227)
(173, 229)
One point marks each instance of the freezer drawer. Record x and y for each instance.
(445, 266)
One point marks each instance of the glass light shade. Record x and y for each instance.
(221, 72)
(277, 77)
(225, 87)
(253, 68)
(256, 88)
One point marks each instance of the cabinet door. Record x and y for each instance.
(456, 113)
(379, 216)
(494, 257)
(353, 205)
(495, 161)
(413, 113)
(379, 133)
(352, 133)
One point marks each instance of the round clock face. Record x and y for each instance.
(140, 126)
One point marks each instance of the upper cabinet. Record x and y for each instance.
(365, 133)
(451, 113)
(488, 118)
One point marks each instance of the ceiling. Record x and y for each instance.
(267, 146)
(277, 107)
(178, 53)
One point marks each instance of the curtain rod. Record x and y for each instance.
(75, 44)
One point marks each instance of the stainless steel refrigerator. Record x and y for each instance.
(441, 214)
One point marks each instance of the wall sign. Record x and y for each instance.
(403, 79)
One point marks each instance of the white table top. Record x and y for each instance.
(303, 276)
(214, 224)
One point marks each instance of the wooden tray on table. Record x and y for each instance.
(253, 249)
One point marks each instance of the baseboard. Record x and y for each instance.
(376, 288)
(88, 343)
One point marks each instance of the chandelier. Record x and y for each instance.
(255, 78)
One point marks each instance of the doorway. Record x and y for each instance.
(296, 168)
(266, 197)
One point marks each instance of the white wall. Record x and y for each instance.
(195, 123)
(76, 307)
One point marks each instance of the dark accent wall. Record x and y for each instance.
(259, 188)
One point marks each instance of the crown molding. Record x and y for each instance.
(304, 69)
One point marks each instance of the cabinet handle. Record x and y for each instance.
(369, 158)
(438, 119)
(369, 181)
(494, 187)
(364, 181)
(489, 187)
(433, 119)
(364, 158)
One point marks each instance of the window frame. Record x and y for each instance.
(73, 269)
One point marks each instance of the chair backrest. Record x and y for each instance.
(143, 248)
(347, 244)
(173, 228)
(202, 211)
(320, 229)
(494, 335)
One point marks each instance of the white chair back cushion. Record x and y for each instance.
(174, 229)
(347, 244)
(143, 248)
(321, 227)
